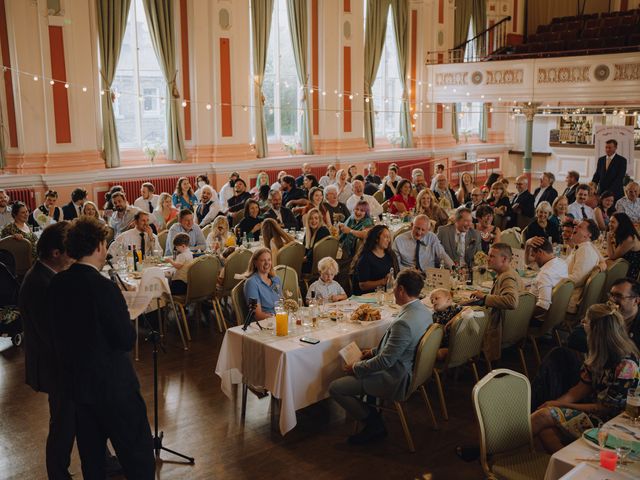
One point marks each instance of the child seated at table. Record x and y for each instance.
(183, 257)
(326, 287)
(444, 310)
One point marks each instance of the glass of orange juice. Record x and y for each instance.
(282, 323)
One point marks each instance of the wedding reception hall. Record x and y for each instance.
(324, 239)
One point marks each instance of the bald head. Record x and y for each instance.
(522, 183)
(358, 187)
(441, 181)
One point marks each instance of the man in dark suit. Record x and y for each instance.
(611, 170)
(460, 240)
(280, 214)
(73, 209)
(522, 203)
(93, 338)
(573, 180)
(40, 360)
(545, 192)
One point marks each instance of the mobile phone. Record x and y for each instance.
(310, 340)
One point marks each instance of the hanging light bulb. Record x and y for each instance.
(350, 97)
(51, 82)
(66, 85)
(184, 103)
(84, 89)
(244, 107)
(324, 93)
(366, 100)
(208, 106)
(35, 78)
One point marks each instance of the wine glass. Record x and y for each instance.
(623, 450)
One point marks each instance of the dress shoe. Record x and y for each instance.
(373, 430)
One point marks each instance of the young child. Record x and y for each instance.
(326, 287)
(443, 312)
(181, 263)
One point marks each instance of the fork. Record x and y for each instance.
(627, 430)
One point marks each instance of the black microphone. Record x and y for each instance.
(113, 274)
(109, 258)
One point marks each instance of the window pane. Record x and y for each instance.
(387, 88)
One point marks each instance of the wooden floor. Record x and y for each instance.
(199, 420)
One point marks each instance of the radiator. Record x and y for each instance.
(161, 184)
(24, 195)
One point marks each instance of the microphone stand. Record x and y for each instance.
(253, 303)
(154, 336)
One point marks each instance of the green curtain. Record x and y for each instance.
(298, 21)
(401, 31)
(160, 18)
(454, 122)
(479, 20)
(484, 123)
(375, 30)
(261, 11)
(3, 152)
(462, 17)
(112, 22)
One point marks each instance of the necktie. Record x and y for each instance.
(608, 162)
(417, 256)
(584, 213)
(460, 248)
(150, 207)
(142, 245)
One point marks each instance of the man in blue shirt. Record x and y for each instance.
(420, 248)
(186, 225)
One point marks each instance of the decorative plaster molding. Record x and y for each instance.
(626, 71)
(577, 74)
(457, 78)
(507, 76)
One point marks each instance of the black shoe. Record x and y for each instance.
(468, 453)
(373, 430)
(113, 466)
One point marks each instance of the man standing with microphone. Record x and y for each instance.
(93, 336)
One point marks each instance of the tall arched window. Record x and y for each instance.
(139, 87)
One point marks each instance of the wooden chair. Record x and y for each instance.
(385, 206)
(326, 247)
(21, 252)
(401, 230)
(515, 325)
(162, 240)
(617, 270)
(239, 303)
(379, 196)
(465, 346)
(292, 255)
(511, 237)
(502, 402)
(235, 265)
(207, 230)
(422, 372)
(172, 222)
(523, 222)
(590, 295)
(289, 279)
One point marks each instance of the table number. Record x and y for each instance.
(517, 260)
(438, 278)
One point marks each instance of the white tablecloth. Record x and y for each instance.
(563, 461)
(298, 373)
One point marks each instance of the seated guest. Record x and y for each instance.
(460, 240)
(369, 188)
(374, 263)
(356, 227)
(148, 200)
(5, 209)
(274, 237)
(630, 203)
(444, 311)
(464, 189)
(343, 186)
(371, 175)
(326, 287)
(220, 235)
(277, 185)
(444, 194)
(545, 192)
(604, 210)
(624, 242)
(183, 197)
(290, 191)
(420, 248)
(582, 259)
(181, 262)
(539, 250)
(419, 183)
(73, 209)
(208, 208)
(236, 203)
(306, 169)
(316, 200)
(522, 201)
(427, 204)
(594, 197)
(609, 371)
(314, 231)
(477, 200)
(252, 221)
(579, 209)
(165, 212)
(338, 211)
(439, 168)
(499, 201)
(186, 225)
(140, 236)
(358, 194)
(390, 184)
(122, 217)
(108, 204)
(329, 178)
(263, 198)
(489, 233)
(403, 201)
(262, 284)
(228, 190)
(201, 181)
(261, 179)
(385, 371)
(47, 213)
(505, 295)
(352, 171)
(566, 234)
(541, 226)
(281, 214)
(572, 180)
(19, 228)
(560, 207)
(310, 181)
(90, 209)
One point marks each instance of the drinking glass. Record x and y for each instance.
(632, 408)
(380, 295)
(603, 435)
(341, 320)
(623, 449)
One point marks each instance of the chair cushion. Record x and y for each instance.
(520, 465)
(180, 299)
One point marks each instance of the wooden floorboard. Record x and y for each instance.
(199, 420)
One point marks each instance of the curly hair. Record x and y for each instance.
(84, 236)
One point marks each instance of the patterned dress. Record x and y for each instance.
(442, 317)
(11, 229)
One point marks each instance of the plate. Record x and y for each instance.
(612, 432)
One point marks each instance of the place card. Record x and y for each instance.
(438, 278)
(518, 260)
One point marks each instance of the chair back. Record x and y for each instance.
(291, 255)
(560, 297)
(522, 222)
(618, 269)
(236, 264)
(425, 357)
(385, 206)
(289, 279)
(401, 230)
(111, 233)
(172, 222)
(502, 401)
(240, 307)
(207, 230)
(592, 291)
(515, 323)
(327, 247)
(21, 251)
(379, 196)
(465, 337)
(6, 258)
(202, 277)
(499, 221)
(238, 218)
(511, 237)
(162, 239)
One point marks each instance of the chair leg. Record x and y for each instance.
(405, 427)
(184, 321)
(536, 350)
(245, 390)
(223, 322)
(558, 339)
(488, 362)
(214, 313)
(443, 405)
(425, 397)
(524, 363)
(475, 370)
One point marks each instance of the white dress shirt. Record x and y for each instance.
(375, 209)
(214, 209)
(226, 192)
(580, 262)
(5, 217)
(536, 200)
(143, 205)
(121, 223)
(132, 237)
(431, 251)
(548, 277)
(325, 181)
(346, 192)
(575, 209)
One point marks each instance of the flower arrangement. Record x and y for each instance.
(291, 145)
(395, 140)
(152, 151)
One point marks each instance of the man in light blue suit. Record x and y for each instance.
(385, 371)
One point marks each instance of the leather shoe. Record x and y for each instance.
(373, 430)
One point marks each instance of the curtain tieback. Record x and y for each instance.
(175, 93)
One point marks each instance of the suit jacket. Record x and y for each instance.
(505, 295)
(456, 202)
(388, 373)
(39, 356)
(93, 335)
(288, 218)
(69, 211)
(549, 195)
(473, 243)
(570, 193)
(525, 201)
(612, 178)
